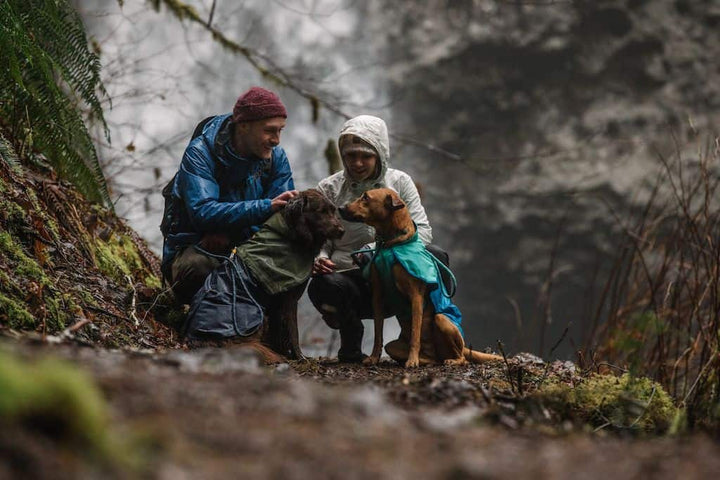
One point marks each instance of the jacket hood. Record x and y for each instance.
(373, 131)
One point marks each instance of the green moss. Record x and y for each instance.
(117, 257)
(11, 212)
(15, 314)
(25, 266)
(626, 402)
(61, 309)
(57, 394)
(153, 282)
(53, 227)
(5, 280)
(85, 297)
(48, 221)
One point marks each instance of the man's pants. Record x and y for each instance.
(189, 270)
(344, 299)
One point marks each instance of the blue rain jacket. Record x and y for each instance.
(421, 264)
(216, 190)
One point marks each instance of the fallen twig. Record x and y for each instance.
(105, 312)
(645, 409)
(133, 314)
(154, 302)
(77, 326)
(507, 365)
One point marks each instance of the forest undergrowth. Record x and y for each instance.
(658, 313)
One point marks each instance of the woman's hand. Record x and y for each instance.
(322, 266)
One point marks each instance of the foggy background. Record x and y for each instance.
(529, 126)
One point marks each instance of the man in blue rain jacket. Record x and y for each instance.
(233, 177)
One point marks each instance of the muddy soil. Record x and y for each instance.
(218, 413)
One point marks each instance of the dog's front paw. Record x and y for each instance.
(412, 363)
(371, 360)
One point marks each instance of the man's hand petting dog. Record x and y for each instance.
(281, 200)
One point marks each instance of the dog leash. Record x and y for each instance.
(453, 283)
(237, 274)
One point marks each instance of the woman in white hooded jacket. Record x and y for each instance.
(338, 289)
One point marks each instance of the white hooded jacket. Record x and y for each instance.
(340, 188)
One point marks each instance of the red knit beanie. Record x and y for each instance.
(256, 104)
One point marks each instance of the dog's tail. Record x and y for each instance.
(479, 357)
(267, 354)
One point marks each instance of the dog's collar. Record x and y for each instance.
(382, 242)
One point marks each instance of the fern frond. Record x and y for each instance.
(48, 75)
(7, 154)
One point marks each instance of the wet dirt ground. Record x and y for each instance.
(218, 413)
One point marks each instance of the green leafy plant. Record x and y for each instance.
(49, 80)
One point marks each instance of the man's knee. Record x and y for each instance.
(189, 271)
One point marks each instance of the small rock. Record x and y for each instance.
(528, 358)
(215, 360)
(443, 421)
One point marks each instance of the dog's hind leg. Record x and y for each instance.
(449, 343)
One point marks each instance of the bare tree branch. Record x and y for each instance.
(273, 72)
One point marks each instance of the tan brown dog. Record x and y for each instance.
(425, 337)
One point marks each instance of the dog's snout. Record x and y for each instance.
(345, 213)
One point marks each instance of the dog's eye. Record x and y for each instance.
(365, 197)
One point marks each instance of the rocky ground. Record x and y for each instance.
(217, 413)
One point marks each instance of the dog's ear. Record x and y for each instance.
(393, 202)
(294, 209)
(295, 218)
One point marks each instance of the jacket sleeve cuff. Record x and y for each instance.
(263, 211)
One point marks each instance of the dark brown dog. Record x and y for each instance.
(313, 220)
(427, 337)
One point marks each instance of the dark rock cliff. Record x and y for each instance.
(559, 111)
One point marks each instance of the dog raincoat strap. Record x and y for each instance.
(418, 262)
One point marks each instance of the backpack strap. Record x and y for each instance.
(200, 126)
(171, 211)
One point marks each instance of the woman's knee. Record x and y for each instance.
(326, 295)
(322, 290)
(439, 253)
